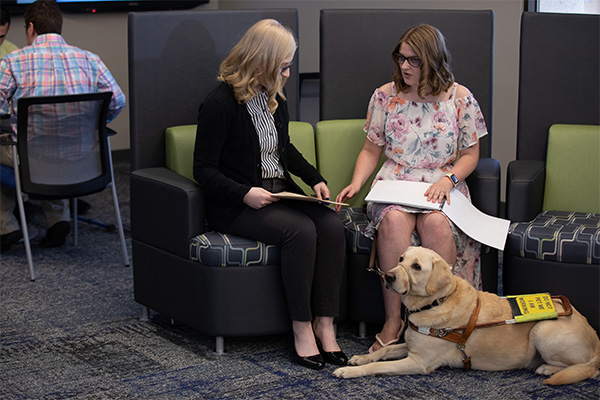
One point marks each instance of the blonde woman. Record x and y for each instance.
(243, 154)
(423, 121)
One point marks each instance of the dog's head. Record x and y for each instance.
(420, 272)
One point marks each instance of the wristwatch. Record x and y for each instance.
(453, 178)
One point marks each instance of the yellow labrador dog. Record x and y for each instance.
(566, 348)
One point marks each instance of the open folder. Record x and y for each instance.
(484, 228)
(296, 196)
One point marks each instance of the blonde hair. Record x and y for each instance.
(257, 59)
(430, 46)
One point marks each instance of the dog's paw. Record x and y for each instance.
(547, 369)
(344, 372)
(359, 360)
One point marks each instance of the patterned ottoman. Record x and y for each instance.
(355, 222)
(562, 236)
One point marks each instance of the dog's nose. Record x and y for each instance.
(389, 278)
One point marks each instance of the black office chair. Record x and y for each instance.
(63, 152)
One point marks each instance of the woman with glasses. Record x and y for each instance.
(428, 127)
(242, 156)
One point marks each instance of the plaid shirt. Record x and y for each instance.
(51, 67)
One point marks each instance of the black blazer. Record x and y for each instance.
(227, 154)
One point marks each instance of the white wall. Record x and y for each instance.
(106, 35)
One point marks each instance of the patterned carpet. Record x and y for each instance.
(75, 333)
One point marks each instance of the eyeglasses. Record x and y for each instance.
(412, 61)
(286, 68)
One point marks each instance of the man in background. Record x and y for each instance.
(5, 46)
(60, 69)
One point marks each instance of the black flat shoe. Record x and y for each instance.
(8, 239)
(333, 357)
(56, 235)
(312, 362)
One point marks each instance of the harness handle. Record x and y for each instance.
(568, 310)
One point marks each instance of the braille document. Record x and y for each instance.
(484, 228)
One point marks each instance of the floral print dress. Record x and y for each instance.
(422, 140)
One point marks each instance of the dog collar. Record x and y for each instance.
(437, 302)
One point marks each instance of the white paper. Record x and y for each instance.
(484, 228)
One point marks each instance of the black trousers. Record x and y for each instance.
(312, 241)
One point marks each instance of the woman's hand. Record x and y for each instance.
(436, 192)
(347, 193)
(465, 165)
(258, 197)
(366, 162)
(322, 191)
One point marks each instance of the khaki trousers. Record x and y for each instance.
(54, 210)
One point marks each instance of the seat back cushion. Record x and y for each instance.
(179, 147)
(172, 69)
(543, 36)
(302, 136)
(573, 169)
(366, 38)
(180, 142)
(338, 145)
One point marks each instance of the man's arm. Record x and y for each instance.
(107, 83)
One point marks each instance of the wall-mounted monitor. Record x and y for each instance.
(92, 6)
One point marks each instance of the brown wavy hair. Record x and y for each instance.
(430, 46)
(45, 15)
(257, 58)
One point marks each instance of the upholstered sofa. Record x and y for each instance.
(332, 147)
(220, 285)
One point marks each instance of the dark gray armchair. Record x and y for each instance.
(173, 63)
(553, 248)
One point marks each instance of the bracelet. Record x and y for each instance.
(453, 179)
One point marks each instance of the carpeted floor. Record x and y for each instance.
(75, 333)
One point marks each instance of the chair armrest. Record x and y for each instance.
(484, 186)
(525, 181)
(167, 210)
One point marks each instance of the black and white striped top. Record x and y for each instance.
(267, 135)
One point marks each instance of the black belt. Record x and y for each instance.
(275, 185)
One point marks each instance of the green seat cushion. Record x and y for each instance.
(573, 169)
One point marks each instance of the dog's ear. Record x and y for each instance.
(440, 276)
